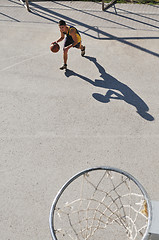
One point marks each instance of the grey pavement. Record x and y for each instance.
(103, 111)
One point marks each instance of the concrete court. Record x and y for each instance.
(103, 111)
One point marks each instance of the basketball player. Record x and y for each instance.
(72, 39)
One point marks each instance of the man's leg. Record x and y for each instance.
(82, 50)
(65, 56)
(67, 42)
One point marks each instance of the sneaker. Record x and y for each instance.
(63, 67)
(83, 51)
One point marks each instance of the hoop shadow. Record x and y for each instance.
(113, 85)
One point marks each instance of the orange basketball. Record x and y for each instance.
(54, 47)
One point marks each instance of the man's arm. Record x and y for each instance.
(74, 37)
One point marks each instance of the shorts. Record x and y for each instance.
(69, 40)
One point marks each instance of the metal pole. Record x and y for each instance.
(102, 5)
(27, 5)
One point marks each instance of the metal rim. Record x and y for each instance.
(142, 189)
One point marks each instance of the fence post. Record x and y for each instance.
(26, 4)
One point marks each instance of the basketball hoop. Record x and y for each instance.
(101, 203)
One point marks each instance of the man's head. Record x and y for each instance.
(62, 25)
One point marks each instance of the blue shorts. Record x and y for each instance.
(69, 41)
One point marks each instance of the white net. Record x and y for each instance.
(102, 205)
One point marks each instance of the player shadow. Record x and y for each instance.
(116, 90)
